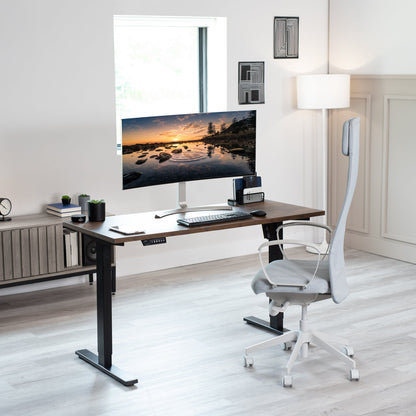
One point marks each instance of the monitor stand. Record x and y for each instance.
(183, 207)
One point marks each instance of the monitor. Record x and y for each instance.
(188, 147)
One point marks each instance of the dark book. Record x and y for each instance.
(59, 207)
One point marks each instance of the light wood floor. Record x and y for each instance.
(181, 332)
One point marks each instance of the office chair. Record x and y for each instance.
(301, 282)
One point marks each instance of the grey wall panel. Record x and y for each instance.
(16, 254)
(24, 241)
(59, 248)
(34, 251)
(51, 248)
(7, 255)
(43, 251)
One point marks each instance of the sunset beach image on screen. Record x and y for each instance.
(187, 147)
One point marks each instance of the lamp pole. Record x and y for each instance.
(323, 246)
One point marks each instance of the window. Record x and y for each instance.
(168, 65)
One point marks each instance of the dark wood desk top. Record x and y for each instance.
(167, 226)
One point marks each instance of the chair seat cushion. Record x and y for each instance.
(292, 272)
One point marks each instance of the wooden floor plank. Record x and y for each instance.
(180, 331)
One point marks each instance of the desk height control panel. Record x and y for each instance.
(154, 241)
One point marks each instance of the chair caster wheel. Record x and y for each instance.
(248, 361)
(286, 346)
(349, 351)
(354, 374)
(287, 380)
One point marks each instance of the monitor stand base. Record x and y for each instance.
(183, 207)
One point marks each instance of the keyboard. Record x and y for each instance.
(213, 219)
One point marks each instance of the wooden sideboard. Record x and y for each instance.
(32, 249)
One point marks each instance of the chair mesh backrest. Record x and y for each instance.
(350, 148)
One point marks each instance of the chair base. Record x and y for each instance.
(298, 342)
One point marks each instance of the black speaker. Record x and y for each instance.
(89, 251)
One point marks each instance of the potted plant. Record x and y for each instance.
(96, 210)
(66, 200)
(83, 201)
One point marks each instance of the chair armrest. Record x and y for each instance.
(293, 242)
(305, 224)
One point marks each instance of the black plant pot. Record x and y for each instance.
(96, 212)
(66, 201)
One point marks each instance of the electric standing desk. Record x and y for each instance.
(277, 213)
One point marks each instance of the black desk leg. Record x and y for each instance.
(113, 279)
(104, 320)
(275, 323)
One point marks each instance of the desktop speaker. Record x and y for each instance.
(89, 251)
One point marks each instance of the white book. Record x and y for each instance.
(74, 248)
(63, 214)
(67, 248)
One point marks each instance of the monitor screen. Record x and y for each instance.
(188, 147)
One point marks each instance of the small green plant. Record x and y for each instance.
(84, 195)
(96, 201)
(66, 200)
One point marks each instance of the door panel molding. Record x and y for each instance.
(398, 208)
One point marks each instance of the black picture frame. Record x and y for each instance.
(251, 82)
(286, 37)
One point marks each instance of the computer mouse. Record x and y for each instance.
(258, 213)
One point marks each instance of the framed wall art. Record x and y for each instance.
(286, 37)
(251, 82)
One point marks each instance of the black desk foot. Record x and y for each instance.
(113, 371)
(262, 324)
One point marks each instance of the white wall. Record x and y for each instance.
(373, 36)
(57, 123)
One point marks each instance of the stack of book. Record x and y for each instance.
(61, 210)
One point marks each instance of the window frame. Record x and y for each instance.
(215, 26)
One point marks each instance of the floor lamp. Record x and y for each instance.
(323, 92)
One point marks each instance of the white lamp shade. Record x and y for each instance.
(323, 91)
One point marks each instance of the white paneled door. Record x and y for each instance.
(382, 218)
